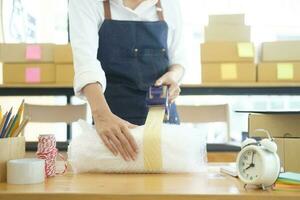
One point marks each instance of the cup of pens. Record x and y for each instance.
(12, 140)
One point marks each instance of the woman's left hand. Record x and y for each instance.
(171, 79)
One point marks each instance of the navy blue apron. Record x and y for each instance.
(133, 55)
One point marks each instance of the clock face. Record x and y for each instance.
(250, 165)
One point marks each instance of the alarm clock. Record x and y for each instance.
(258, 163)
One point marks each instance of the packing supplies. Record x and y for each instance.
(63, 54)
(183, 149)
(279, 124)
(64, 73)
(227, 33)
(228, 72)
(26, 53)
(30, 73)
(63, 59)
(284, 127)
(279, 72)
(238, 52)
(288, 152)
(25, 171)
(233, 19)
(281, 51)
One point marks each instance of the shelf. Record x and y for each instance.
(187, 89)
(241, 85)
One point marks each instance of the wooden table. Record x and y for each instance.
(208, 185)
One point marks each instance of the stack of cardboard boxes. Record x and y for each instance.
(25, 64)
(285, 128)
(280, 62)
(63, 60)
(227, 54)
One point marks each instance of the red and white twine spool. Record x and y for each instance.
(47, 150)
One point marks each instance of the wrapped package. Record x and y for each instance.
(183, 150)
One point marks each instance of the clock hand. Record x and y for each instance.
(252, 158)
(251, 165)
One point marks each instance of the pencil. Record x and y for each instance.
(13, 125)
(8, 126)
(0, 114)
(6, 122)
(21, 127)
(2, 123)
(18, 118)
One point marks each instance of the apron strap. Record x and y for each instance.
(107, 11)
(159, 11)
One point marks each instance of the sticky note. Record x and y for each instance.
(33, 75)
(245, 50)
(33, 52)
(228, 71)
(285, 71)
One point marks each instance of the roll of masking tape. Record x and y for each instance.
(25, 171)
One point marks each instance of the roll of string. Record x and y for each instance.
(47, 150)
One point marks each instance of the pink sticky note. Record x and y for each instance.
(33, 75)
(33, 52)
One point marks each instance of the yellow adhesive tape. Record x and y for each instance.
(285, 71)
(245, 50)
(229, 71)
(152, 139)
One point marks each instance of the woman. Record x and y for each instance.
(121, 48)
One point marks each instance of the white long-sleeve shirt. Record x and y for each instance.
(86, 18)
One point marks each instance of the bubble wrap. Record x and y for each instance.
(183, 151)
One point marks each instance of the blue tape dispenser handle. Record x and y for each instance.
(158, 96)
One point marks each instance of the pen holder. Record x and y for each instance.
(10, 149)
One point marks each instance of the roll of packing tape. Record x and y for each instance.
(25, 171)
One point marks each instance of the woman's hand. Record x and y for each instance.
(113, 131)
(171, 79)
(116, 135)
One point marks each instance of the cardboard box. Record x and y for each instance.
(281, 51)
(216, 52)
(280, 150)
(279, 72)
(288, 152)
(34, 73)
(228, 72)
(291, 155)
(279, 124)
(228, 33)
(10, 149)
(26, 53)
(235, 19)
(63, 54)
(64, 74)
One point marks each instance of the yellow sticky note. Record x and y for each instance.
(228, 71)
(245, 50)
(285, 71)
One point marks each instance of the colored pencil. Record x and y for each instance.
(8, 127)
(6, 122)
(2, 123)
(21, 127)
(0, 114)
(17, 118)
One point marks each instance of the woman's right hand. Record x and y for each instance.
(116, 135)
(113, 130)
